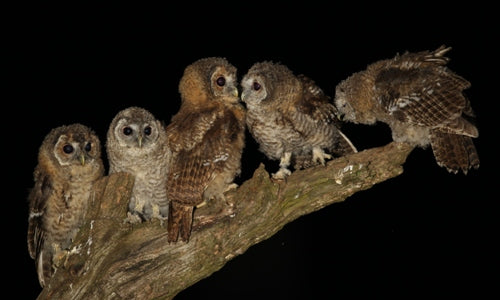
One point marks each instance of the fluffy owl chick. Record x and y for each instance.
(137, 144)
(69, 163)
(291, 118)
(207, 137)
(421, 100)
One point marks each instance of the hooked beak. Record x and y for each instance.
(82, 159)
(234, 98)
(243, 96)
(139, 141)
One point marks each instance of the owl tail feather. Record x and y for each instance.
(454, 152)
(461, 126)
(346, 145)
(180, 220)
(44, 268)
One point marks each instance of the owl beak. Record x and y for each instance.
(243, 96)
(235, 92)
(82, 159)
(139, 141)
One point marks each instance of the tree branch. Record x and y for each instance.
(116, 260)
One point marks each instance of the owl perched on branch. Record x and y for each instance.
(69, 163)
(421, 100)
(137, 144)
(207, 137)
(291, 118)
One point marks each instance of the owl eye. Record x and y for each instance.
(221, 81)
(147, 130)
(256, 86)
(127, 130)
(88, 147)
(68, 149)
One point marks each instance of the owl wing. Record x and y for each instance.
(37, 202)
(314, 110)
(411, 60)
(425, 96)
(315, 105)
(199, 141)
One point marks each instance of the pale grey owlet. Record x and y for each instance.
(137, 144)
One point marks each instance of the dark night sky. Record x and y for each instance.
(426, 231)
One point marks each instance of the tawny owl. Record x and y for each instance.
(69, 163)
(421, 100)
(207, 137)
(291, 118)
(137, 144)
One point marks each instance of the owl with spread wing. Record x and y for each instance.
(421, 100)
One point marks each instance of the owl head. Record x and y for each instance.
(209, 79)
(354, 99)
(267, 82)
(135, 131)
(71, 145)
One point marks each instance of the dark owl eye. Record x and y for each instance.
(147, 130)
(88, 147)
(256, 86)
(68, 149)
(127, 130)
(221, 81)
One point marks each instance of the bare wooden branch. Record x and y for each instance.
(116, 260)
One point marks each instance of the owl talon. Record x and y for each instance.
(132, 218)
(282, 174)
(60, 258)
(156, 214)
(230, 187)
(319, 156)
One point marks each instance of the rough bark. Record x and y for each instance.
(116, 260)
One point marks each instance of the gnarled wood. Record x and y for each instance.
(116, 260)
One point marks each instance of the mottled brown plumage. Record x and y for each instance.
(207, 137)
(137, 144)
(421, 100)
(69, 163)
(291, 118)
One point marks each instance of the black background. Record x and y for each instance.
(425, 232)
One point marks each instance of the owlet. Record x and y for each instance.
(421, 100)
(69, 163)
(291, 118)
(207, 137)
(137, 144)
